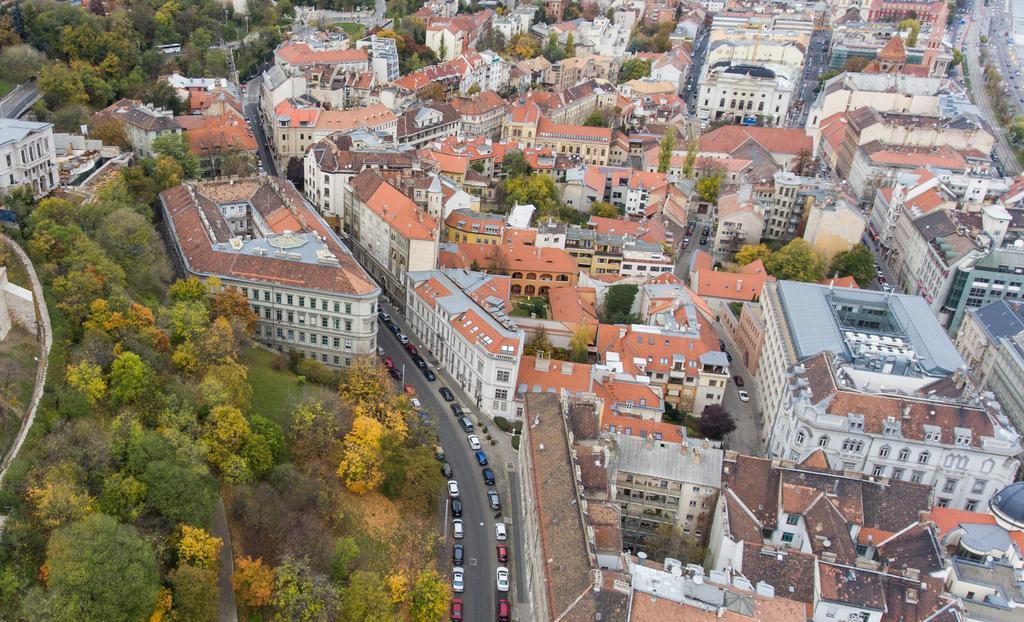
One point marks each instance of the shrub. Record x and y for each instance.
(317, 372)
(515, 442)
(502, 424)
(281, 363)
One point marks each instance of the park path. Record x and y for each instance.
(228, 610)
(45, 336)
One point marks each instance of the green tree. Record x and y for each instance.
(710, 187)
(123, 496)
(796, 261)
(537, 190)
(857, 262)
(195, 593)
(604, 210)
(618, 304)
(346, 553)
(914, 27)
(367, 598)
(668, 145)
(20, 62)
(579, 345)
(691, 158)
(634, 69)
(130, 378)
(174, 146)
(178, 493)
(514, 164)
(301, 595)
(430, 597)
(99, 569)
(59, 85)
(751, 252)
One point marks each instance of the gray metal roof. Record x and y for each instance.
(999, 319)
(12, 130)
(814, 327)
(666, 460)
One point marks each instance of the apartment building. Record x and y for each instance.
(804, 319)
(450, 36)
(527, 126)
(294, 56)
(963, 446)
(391, 235)
(781, 146)
(659, 482)
(474, 227)
(329, 166)
(833, 226)
(462, 319)
(482, 114)
(27, 156)
(533, 270)
(981, 332)
(418, 126)
(142, 123)
(297, 125)
(383, 53)
(999, 275)
(740, 222)
(258, 236)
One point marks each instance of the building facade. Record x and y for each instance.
(27, 156)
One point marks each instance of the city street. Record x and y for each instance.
(746, 438)
(815, 64)
(481, 595)
(700, 50)
(251, 106)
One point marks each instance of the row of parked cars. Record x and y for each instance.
(502, 581)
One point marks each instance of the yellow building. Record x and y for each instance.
(467, 226)
(526, 126)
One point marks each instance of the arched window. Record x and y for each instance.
(986, 466)
(823, 441)
(800, 437)
(884, 451)
(923, 457)
(904, 455)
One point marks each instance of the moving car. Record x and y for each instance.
(502, 578)
(458, 555)
(481, 458)
(488, 476)
(446, 394)
(744, 396)
(502, 553)
(493, 500)
(474, 442)
(500, 532)
(457, 610)
(458, 579)
(457, 529)
(738, 379)
(453, 489)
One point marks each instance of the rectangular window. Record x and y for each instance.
(302, 301)
(323, 340)
(323, 321)
(290, 299)
(793, 519)
(337, 342)
(312, 303)
(503, 375)
(337, 324)
(348, 307)
(787, 537)
(266, 295)
(348, 324)
(337, 307)
(949, 486)
(970, 506)
(348, 344)
(501, 394)
(277, 298)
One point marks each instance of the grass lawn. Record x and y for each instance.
(5, 87)
(276, 393)
(355, 31)
(524, 306)
(17, 379)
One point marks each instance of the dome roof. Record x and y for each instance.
(1009, 502)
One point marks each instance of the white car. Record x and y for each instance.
(402, 337)
(502, 576)
(458, 579)
(457, 530)
(453, 489)
(744, 396)
(416, 403)
(500, 532)
(474, 441)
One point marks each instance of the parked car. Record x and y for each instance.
(738, 379)
(721, 345)
(481, 458)
(453, 489)
(412, 349)
(383, 316)
(494, 500)
(419, 362)
(457, 610)
(456, 507)
(380, 351)
(744, 396)
(458, 580)
(389, 363)
(703, 240)
(446, 470)
(457, 410)
(728, 357)
(502, 578)
(488, 476)
(446, 394)
(474, 442)
(502, 553)
(439, 452)
(500, 532)
(394, 328)
(504, 610)
(415, 401)
(429, 375)
(458, 555)
(466, 423)
(395, 373)
(457, 529)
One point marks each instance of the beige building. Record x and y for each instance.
(297, 126)
(833, 226)
(391, 235)
(526, 126)
(740, 222)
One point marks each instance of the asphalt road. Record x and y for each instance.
(480, 596)
(19, 100)
(815, 64)
(700, 52)
(978, 25)
(252, 111)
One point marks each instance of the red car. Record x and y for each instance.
(456, 610)
(388, 362)
(504, 610)
(502, 553)
(411, 348)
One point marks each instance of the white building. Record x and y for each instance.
(258, 236)
(746, 92)
(461, 318)
(27, 156)
(383, 56)
(965, 449)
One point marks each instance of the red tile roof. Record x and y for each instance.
(777, 140)
(303, 54)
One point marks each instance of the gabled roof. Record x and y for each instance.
(776, 140)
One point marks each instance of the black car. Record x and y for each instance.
(395, 328)
(703, 241)
(420, 362)
(429, 375)
(456, 508)
(446, 394)
(728, 357)
(395, 373)
(488, 476)
(457, 410)
(458, 555)
(707, 230)
(721, 345)
(446, 470)
(494, 500)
